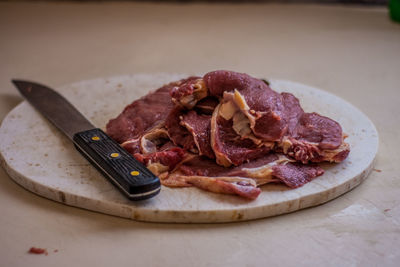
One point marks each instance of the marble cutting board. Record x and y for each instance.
(41, 159)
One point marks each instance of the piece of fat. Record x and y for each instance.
(157, 168)
(150, 140)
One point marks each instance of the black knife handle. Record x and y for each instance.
(115, 163)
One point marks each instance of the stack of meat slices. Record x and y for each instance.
(229, 133)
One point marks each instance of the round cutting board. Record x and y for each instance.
(41, 159)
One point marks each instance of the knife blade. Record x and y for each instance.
(114, 162)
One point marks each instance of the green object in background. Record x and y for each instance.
(394, 9)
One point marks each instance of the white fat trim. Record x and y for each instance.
(130, 141)
(199, 93)
(191, 130)
(242, 104)
(282, 160)
(157, 168)
(229, 179)
(227, 110)
(220, 158)
(147, 144)
(329, 155)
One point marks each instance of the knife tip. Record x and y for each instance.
(22, 86)
(16, 81)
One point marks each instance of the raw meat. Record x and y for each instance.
(227, 132)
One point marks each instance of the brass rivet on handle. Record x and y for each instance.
(135, 173)
(114, 155)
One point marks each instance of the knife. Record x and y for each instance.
(114, 162)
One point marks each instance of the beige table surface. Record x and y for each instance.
(353, 52)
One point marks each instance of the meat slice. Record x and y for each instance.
(141, 115)
(162, 161)
(144, 113)
(177, 132)
(242, 180)
(293, 111)
(229, 147)
(232, 139)
(315, 138)
(206, 105)
(199, 126)
(189, 92)
(295, 174)
(278, 168)
(217, 185)
(263, 106)
(314, 128)
(205, 174)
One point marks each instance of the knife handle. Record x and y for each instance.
(115, 163)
